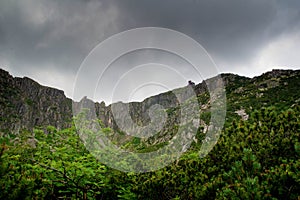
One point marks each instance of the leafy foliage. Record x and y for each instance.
(254, 159)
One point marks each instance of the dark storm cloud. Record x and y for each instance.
(231, 30)
(59, 33)
(54, 36)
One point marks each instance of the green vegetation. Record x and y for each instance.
(254, 159)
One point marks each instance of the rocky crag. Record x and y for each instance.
(25, 104)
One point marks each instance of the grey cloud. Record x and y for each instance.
(57, 32)
(43, 34)
(230, 30)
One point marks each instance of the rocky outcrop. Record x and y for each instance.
(25, 104)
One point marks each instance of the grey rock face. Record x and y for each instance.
(25, 104)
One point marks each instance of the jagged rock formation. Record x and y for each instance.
(25, 104)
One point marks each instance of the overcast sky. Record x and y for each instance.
(47, 40)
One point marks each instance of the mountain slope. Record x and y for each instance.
(25, 104)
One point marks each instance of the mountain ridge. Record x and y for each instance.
(26, 104)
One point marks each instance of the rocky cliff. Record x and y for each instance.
(25, 104)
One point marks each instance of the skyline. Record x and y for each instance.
(83, 97)
(49, 40)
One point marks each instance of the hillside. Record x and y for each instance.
(256, 157)
(25, 104)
